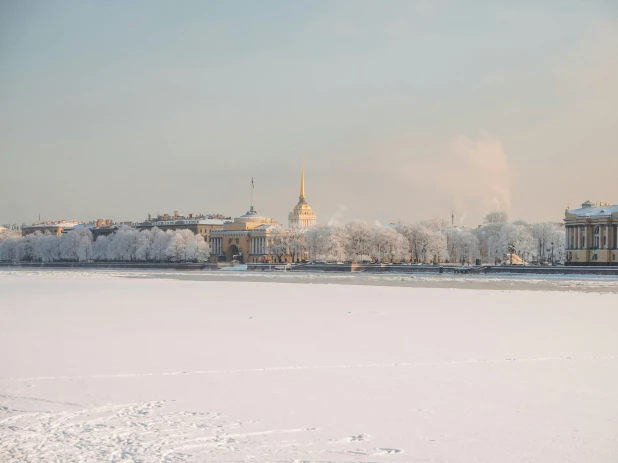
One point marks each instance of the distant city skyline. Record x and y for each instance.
(402, 110)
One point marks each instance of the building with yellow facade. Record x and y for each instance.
(252, 238)
(592, 234)
(246, 239)
(302, 216)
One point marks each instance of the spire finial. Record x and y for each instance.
(302, 181)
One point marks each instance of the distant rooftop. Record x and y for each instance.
(58, 223)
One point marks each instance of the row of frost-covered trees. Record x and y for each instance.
(426, 241)
(435, 241)
(126, 245)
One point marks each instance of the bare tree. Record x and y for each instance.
(496, 217)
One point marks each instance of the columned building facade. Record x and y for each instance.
(302, 216)
(592, 235)
(246, 239)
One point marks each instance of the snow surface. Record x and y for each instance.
(99, 368)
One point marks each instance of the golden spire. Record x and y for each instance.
(302, 181)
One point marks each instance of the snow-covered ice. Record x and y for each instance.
(96, 367)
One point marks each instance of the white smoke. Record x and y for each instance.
(335, 219)
(479, 175)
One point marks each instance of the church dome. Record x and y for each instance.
(251, 216)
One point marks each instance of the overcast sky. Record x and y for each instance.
(402, 110)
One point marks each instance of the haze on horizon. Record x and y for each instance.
(402, 110)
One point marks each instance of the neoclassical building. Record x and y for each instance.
(592, 234)
(198, 224)
(246, 239)
(302, 216)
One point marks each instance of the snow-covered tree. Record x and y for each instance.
(160, 243)
(425, 242)
(496, 217)
(100, 248)
(390, 245)
(515, 239)
(544, 235)
(177, 247)
(76, 245)
(462, 245)
(144, 245)
(295, 238)
(315, 242)
(278, 246)
(360, 240)
(327, 243)
(489, 243)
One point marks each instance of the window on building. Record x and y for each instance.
(613, 256)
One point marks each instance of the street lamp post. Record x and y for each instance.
(552, 253)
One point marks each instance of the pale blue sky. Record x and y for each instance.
(401, 109)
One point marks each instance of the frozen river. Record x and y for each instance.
(171, 367)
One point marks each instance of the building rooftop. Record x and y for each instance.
(59, 223)
(589, 209)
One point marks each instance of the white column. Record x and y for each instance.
(581, 237)
(607, 236)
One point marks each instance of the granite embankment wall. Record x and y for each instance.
(111, 265)
(327, 268)
(458, 269)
